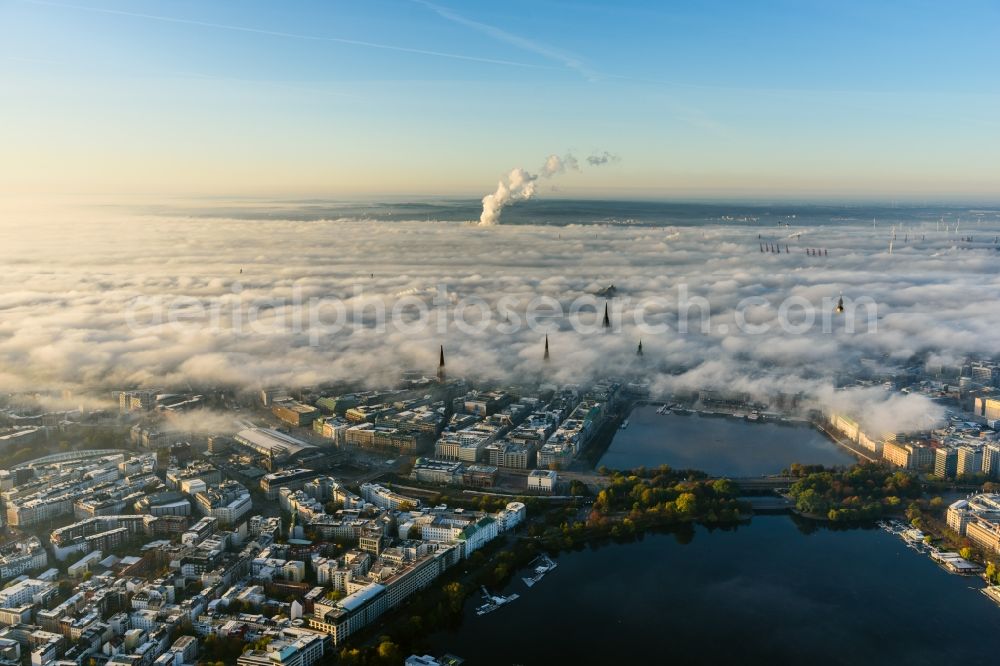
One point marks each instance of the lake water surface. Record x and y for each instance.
(765, 592)
(721, 446)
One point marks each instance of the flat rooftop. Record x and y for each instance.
(267, 439)
(546, 473)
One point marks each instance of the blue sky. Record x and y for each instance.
(382, 97)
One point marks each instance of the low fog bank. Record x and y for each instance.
(112, 300)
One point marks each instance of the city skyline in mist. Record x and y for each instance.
(777, 100)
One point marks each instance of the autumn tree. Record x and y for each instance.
(389, 652)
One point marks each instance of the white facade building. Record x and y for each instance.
(542, 480)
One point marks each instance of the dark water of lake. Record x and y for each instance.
(721, 446)
(763, 593)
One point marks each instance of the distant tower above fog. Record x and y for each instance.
(638, 351)
(441, 366)
(546, 357)
(607, 319)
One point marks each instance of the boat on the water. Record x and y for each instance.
(542, 565)
(892, 526)
(494, 601)
(624, 424)
(916, 540)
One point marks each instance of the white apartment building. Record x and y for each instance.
(386, 499)
(542, 480)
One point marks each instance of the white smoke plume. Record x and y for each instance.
(556, 165)
(519, 185)
(597, 159)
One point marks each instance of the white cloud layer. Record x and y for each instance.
(68, 314)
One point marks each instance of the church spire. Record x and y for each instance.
(546, 357)
(638, 351)
(607, 319)
(441, 366)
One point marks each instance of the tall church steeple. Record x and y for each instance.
(546, 357)
(607, 319)
(441, 366)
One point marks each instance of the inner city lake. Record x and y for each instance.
(776, 590)
(718, 445)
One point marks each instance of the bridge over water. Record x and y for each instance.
(766, 503)
(752, 483)
(771, 486)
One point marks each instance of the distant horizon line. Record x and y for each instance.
(889, 202)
